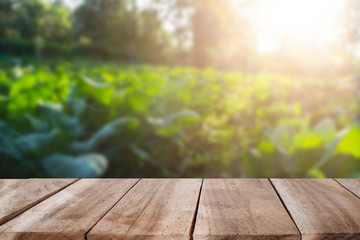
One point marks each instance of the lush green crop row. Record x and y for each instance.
(69, 120)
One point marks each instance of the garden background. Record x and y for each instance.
(179, 88)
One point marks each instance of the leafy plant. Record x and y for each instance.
(70, 120)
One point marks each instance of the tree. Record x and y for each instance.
(31, 18)
(218, 32)
(121, 29)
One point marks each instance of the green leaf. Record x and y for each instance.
(101, 92)
(142, 154)
(330, 149)
(35, 141)
(6, 144)
(83, 166)
(183, 115)
(79, 106)
(326, 129)
(168, 130)
(171, 125)
(350, 143)
(37, 123)
(317, 173)
(281, 137)
(73, 125)
(306, 140)
(104, 133)
(51, 110)
(266, 146)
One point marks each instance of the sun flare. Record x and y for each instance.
(297, 20)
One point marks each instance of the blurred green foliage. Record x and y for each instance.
(75, 120)
(111, 29)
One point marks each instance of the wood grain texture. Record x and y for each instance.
(70, 213)
(234, 209)
(321, 208)
(18, 195)
(352, 184)
(155, 209)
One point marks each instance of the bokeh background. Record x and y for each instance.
(179, 88)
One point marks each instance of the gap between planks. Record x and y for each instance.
(31, 224)
(242, 209)
(192, 228)
(289, 213)
(193, 223)
(346, 188)
(26, 208)
(286, 208)
(87, 232)
(312, 217)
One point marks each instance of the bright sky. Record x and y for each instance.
(313, 21)
(73, 3)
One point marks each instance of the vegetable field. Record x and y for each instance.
(72, 120)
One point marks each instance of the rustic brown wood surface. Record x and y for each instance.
(321, 208)
(16, 196)
(68, 214)
(180, 209)
(353, 185)
(153, 209)
(242, 209)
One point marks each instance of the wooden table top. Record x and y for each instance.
(179, 209)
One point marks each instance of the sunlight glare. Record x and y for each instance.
(296, 20)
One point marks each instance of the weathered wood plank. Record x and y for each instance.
(68, 214)
(155, 209)
(18, 195)
(352, 184)
(321, 208)
(233, 209)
